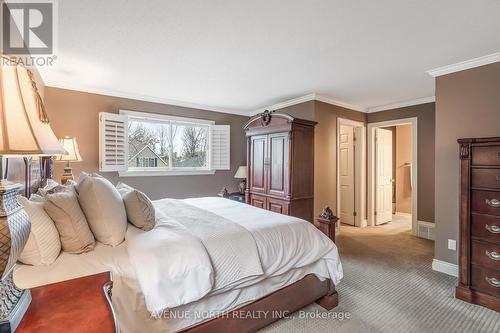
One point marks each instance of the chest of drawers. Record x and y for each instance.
(479, 252)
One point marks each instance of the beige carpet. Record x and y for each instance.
(389, 286)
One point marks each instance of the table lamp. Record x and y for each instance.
(241, 173)
(71, 146)
(24, 131)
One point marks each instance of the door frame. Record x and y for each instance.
(414, 168)
(359, 170)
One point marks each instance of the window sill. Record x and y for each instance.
(156, 173)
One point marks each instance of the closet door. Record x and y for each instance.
(277, 165)
(258, 153)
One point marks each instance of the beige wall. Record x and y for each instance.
(425, 113)
(325, 147)
(403, 174)
(75, 113)
(304, 110)
(467, 105)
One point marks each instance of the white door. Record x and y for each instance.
(383, 179)
(346, 166)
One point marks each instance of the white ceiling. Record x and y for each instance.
(240, 56)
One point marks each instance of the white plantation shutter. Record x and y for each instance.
(113, 142)
(221, 147)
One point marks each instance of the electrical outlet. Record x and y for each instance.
(452, 244)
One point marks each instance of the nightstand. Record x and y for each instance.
(78, 305)
(237, 196)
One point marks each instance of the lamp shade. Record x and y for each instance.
(241, 172)
(24, 126)
(70, 145)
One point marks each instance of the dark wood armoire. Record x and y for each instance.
(479, 256)
(280, 161)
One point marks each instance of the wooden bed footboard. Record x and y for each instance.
(272, 307)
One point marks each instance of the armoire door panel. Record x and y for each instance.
(258, 163)
(278, 164)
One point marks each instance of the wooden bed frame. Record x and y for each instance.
(281, 303)
(267, 309)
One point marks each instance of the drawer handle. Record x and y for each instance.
(493, 282)
(498, 178)
(493, 229)
(495, 203)
(493, 255)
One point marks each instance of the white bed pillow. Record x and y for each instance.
(140, 209)
(103, 206)
(43, 245)
(64, 209)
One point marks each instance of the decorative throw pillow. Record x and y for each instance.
(43, 245)
(65, 211)
(103, 206)
(140, 210)
(51, 184)
(69, 186)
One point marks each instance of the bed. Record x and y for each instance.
(298, 263)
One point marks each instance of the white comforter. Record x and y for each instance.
(283, 243)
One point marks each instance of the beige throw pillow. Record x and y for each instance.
(43, 245)
(65, 211)
(140, 210)
(103, 206)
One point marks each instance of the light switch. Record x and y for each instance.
(452, 244)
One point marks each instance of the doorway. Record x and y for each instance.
(392, 173)
(351, 172)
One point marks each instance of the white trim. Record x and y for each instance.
(205, 107)
(463, 65)
(359, 200)
(331, 101)
(146, 98)
(284, 104)
(445, 267)
(418, 101)
(155, 173)
(151, 116)
(371, 168)
(307, 98)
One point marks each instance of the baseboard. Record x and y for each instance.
(445, 267)
(425, 230)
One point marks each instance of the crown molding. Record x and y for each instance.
(468, 64)
(281, 105)
(403, 104)
(307, 98)
(339, 103)
(145, 98)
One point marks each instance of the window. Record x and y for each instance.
(162, 145)
(146, 162)
(175, 144)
